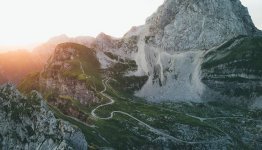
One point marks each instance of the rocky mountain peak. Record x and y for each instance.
(174, 39)
(65, 51)
(197, 24)
(70, 52)
(68, 77)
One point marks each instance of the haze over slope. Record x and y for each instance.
(15, 65)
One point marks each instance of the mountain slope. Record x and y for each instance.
(179, 33)
(69, 80)
(171, 46)
(235, 69)
(27, 123)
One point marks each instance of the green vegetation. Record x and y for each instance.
(123, 132)
(246, 54)
(235, 68)
(23, 106)
(124, 83)
(29, 83)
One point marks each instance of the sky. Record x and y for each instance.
(24, 23)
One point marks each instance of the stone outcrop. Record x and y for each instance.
(181, 25)
(28, 123)
(62, 74)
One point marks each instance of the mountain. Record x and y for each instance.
(188, 79)
(175, 38)
(70, 76)
(171, 48)
(99, 100)
(15, 65)
(28, 123)
(46, 49)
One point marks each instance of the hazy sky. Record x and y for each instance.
(255, 10)
(24, 22)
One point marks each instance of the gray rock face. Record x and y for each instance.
(171, 46)
(173, 41)
(27, 123)
(124, 47)
(180, 25)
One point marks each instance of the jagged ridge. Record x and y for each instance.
(27, 123)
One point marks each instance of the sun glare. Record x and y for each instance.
(31, 21)
(27, 22)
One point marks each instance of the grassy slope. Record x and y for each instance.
(29, 83)
(249, 50)
(235, 68)
(120, 131)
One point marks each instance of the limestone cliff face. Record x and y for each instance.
(123, 47)
(27, 123)
(180, 25)
(173, 41)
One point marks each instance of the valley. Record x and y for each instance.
(118, 114)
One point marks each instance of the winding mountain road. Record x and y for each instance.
(152, 129)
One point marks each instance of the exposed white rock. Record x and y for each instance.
(104, 60)
(180, 25)
(185, 26)
(122, 47)
(176, 77)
